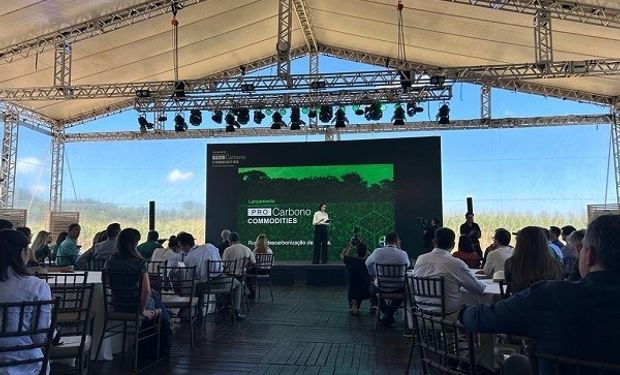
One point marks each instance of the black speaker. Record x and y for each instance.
(151, 215)
(470, 204)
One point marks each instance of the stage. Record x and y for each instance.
(304, 272)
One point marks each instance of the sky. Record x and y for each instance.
(541, 170)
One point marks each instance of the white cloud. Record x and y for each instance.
(177, 176)
(28, 165)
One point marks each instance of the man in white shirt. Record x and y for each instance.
(497, 258)
(389, 254)
(238, 252)
(440, 263)
(197, 256)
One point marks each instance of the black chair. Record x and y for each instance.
(390, 284)
(152, 268)
(27, 322)
(445, 346)
(178, 293)
(76, 327)
(64, 279)
(504, 289)
(220, 285)
(566, 366)
(64, 261)
(429, 295)
(240, 273)
(122, 313)
(261, 275)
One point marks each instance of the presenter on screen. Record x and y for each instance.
(320, 221)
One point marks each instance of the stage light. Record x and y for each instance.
(316, 85)
(296, 120)
(326, 114)
(405, 79)
(312, 113)
(259, 116)
(144, 124)
(231, 122)
(162, 118)
(359, 111)
(373, 112)
(217, 116)
(399, 116)
(195, 117)
(243, 116)
(277, 121)
(412, 109)
(179, 123)
(247, 87)
(443, 115)
(341, 118)
(438, 80)
(179, 90)
(143, 93)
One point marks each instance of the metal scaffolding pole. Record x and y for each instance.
(283, 46)
(485, 102)
(543, 45)
(615, 141)
(58, 158)
(8, 164)
(62, 67)
(313, 65)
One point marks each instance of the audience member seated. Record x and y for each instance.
(5, 224)
(59, 240)
(358, 278)
(197, 256)
(555, 250)
(68, 253)
(575, 241)
(146, 249)
(497, 258)
(390, 254)
(467, 253)
(532, 261)
(260, 247)
(170, 254)
(239, 252)
(126, 259)
(554, 236)
(566, 231)
(222, 246)
(106, 247)
(487, 251)
(41, 246)
(86, 257)
(29, 258)
(17, 285)
(579, 320)
(456, 274)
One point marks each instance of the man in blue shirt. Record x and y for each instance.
(568, 319)
(389, 254)
(68, 253)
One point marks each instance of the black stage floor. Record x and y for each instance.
(299, 272)
(306, 330)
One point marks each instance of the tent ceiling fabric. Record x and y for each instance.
(216, 35)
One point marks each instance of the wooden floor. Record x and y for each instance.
(306, 330)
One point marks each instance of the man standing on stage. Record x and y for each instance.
(320, 222)
(472, 230)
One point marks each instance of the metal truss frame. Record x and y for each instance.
(480, 76)
(505, 123)
(8, 164)
(303, 16)
(543, 41)
(562, 9)
(283, 45)
(58, 158)
(615, 141)
(313, 67)
(91, 28)
(485, 102)
(304, 99)
(62, 68)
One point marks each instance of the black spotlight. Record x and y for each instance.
(231, 122)
(296, 120)
(412, 109)
(144, 124)
(243, 116)
(259, 116)
(373, 112)
(179, 123)
(405, 79)
(438, 80)
(399, 115)
(179, 90)
(195, 117)
(341, 118)
(162, 118)
(359, 111)
(217, 116)
(444, 114)
(277, 121)
(312, 113)
(327, 113)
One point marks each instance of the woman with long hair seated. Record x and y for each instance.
(41, 246)
(126, 259)
(467, 253)
(18, 285)
(261, 247)
(531, 261)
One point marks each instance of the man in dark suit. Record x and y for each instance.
(472, 230)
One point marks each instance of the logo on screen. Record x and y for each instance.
(259, 211)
